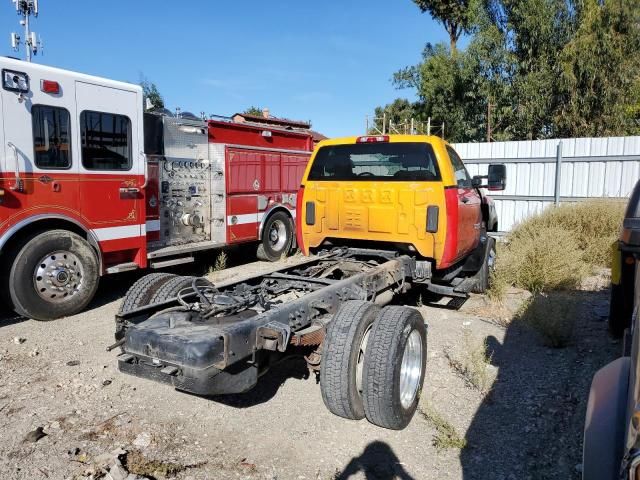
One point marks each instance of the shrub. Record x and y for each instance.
(446, 435)
(553, 316)
(473, 364)
(558, 248)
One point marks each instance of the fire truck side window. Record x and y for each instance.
(106, 141)
(51, 134)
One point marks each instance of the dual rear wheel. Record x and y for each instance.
(373, 363)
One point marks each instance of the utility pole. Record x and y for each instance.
(32, 44)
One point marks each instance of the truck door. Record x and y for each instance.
(469, 207)
(109, 120)
(38, 143)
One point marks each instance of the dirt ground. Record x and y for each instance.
(527, 424)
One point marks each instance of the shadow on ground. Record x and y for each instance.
(530, 424)
(377, 462)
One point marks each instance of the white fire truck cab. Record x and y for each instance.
(90, 184)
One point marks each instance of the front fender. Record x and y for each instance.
(604, 430)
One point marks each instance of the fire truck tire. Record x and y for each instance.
(394, 367)
(171, 288)
(483, 276)
(68, 261)
(343, 353)
(277, 237)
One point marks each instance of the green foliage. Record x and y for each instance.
(150, 91)
(455, 16)
(446, 435)
(548, 68)
(397, 113)
(255, 111)
(553, 315)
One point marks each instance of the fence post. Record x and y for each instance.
(558, 174)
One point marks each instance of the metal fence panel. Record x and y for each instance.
(589, 168)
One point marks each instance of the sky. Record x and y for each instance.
(329, 62)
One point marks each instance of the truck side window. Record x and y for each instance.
(106, 141)
(51, 137)
(462, 176)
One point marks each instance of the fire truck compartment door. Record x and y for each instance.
(112, 165)
(3, 148)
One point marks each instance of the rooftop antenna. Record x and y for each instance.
(32, 44)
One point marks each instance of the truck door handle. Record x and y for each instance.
(129, 190)
(18, 186)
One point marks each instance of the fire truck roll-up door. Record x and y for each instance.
(112, 169)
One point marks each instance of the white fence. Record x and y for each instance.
(589, 168)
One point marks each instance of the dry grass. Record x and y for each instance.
(473, 364)
(558, 248)
(446, 435)
(220, 263)
(553, 316)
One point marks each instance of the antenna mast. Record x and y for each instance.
(32, 44)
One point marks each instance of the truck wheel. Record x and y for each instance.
(277, 237)
(171, 288)
(140, 295)
(483, 275)
(55, 274)
(343, 356)
(142, 291)
(394, 367)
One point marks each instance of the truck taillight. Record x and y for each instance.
(299, 220)
(49, 86)
(373, 139)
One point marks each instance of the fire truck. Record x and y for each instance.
(91, 184)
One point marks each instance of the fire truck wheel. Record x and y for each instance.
(394, 367)
(55, 274)
(171, 288)
(343, 353)
(277, 237)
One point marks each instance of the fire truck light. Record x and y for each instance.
(266, 133)
(49, 86)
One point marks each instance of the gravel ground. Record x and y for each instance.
(527, 424)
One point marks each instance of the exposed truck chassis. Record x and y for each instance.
(216, 340)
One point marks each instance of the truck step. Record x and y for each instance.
(123, 267)
(171, 262)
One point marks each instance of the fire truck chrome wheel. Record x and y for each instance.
(58, 276)
(411, 369)
(278, 235)
(54, 274)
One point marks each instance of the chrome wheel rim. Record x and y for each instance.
(58, 276)
(277, 235)
(411, 369)
(360, 362)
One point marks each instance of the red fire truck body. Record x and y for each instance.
(92, 185)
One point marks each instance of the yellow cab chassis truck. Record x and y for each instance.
(381, 214)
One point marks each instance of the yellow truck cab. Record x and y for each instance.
(410, 192)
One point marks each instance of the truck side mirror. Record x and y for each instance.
(476, 181)
(497, 178)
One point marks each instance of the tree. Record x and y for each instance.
(601, 72)
(255, 111)
(396, 114)
(532, 69)
(455, 15)
(150, 91)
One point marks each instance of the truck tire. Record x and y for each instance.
(343, 354)
(483, 276)
(622, 298)
(394, 367)
(277, 238)
(142, 291)
(171, 288)
(55, 274)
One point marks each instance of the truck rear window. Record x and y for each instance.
(376, 161)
